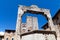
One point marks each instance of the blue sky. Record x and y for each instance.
(9, 8)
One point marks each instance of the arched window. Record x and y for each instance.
(12, 38)
(6, 38)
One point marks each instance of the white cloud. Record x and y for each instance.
(1, 33)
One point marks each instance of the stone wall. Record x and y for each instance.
(9, 36)
(39, 37)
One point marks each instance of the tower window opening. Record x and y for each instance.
(28, 30)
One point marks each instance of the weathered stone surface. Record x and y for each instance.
(39, 37)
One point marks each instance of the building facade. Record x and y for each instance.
(8, 35)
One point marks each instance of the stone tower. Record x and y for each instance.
(35, 23)
(29, 23)
(32, 23)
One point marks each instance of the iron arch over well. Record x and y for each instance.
(34, 9)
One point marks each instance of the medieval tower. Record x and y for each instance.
(29, 23)
(32, 23)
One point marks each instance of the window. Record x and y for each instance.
(24, 30)
(12, 38)
(0, 38)
(28, 30)
(6, 38)
(24, 25)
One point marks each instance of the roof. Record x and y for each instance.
(7, 30)
(52, 18)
